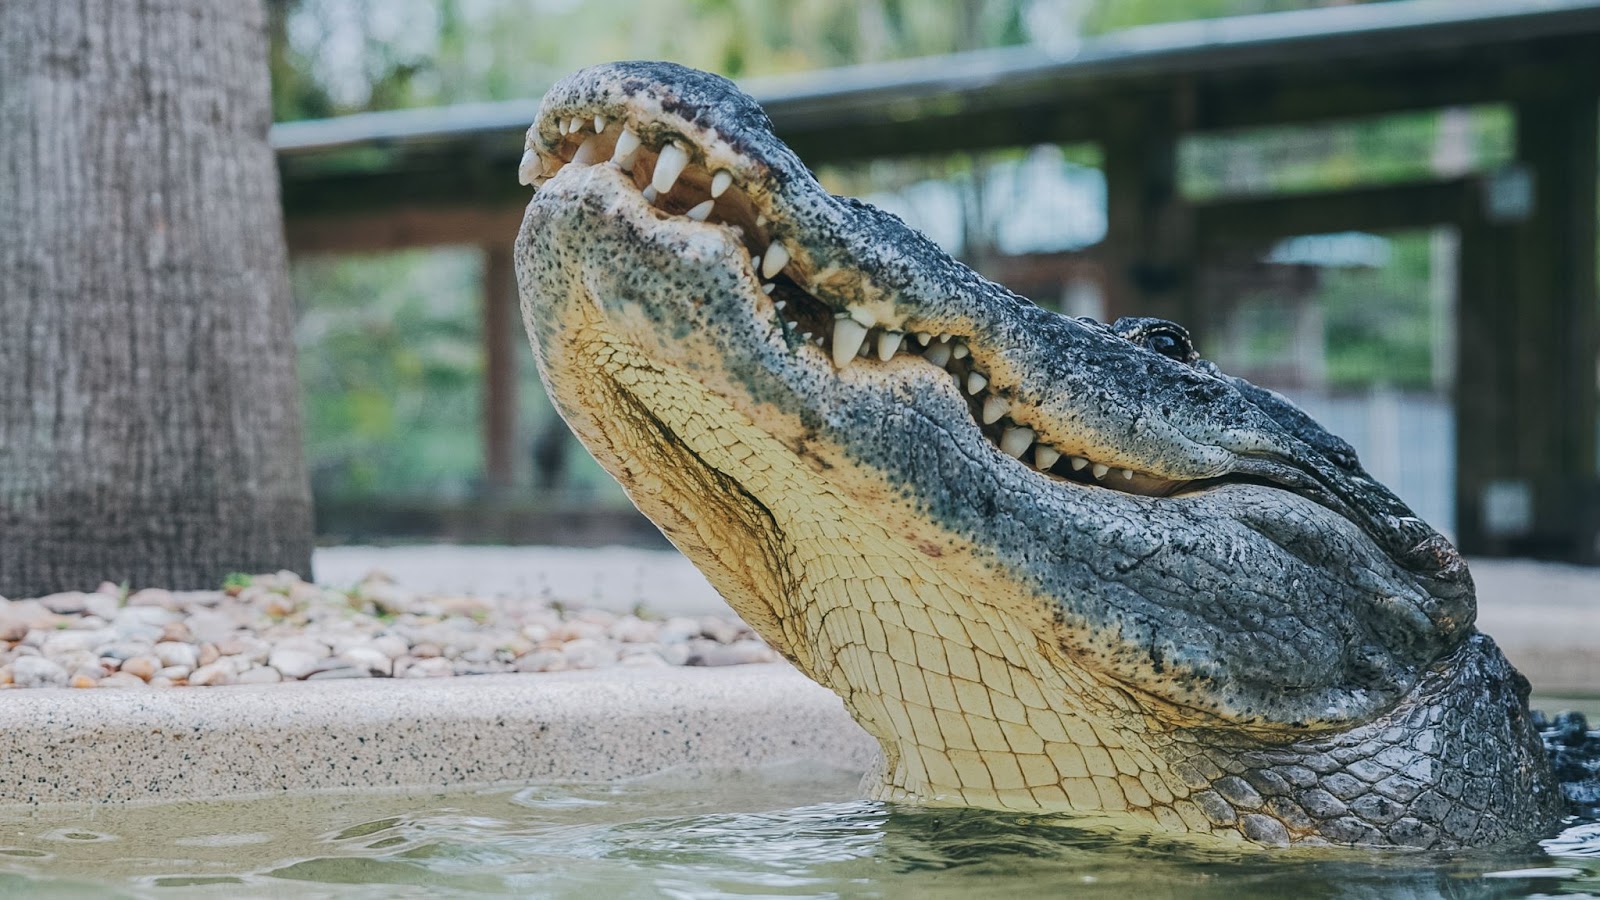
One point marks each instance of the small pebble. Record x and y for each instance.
(153, 597)
(176, 653)
(65, 604)
(215, 673)
(208, 655)
(542, 661)
(292, 663)
(734, 654)
(260, 675)
(102, 604)
(373, 661)
(339, 672)
(432, 667)
(36, 671)
(144, 667)
(390, 645)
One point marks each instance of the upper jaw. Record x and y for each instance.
(1062, 397)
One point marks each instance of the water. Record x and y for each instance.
(780, 832)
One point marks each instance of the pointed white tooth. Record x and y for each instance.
(924, 338)
(1078, 463)
(945, 338)
(767, 289)
(994, 408)
(530, 167)
(1016, 441)
(669, 165)
(778, 304)
(938, 354)
(574, 124)
(1100, 470)
(960, 351)
(755, 262)
(848, 336)
(976, 382)
(627, 146)
(777, 257)
(599, 123)
(721, 181)
(889, 343)
(1045, 456)
(1127, 474)
(588, 152)
(761, 220)
(649, 193)
(701, 211)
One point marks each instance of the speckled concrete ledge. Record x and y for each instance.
(66, 746)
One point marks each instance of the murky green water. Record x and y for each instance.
(775, 833)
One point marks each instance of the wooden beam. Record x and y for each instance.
(403, 228)
(500, 367)
(1385, 208)
(1149, 239)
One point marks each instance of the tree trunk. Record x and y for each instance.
(149, 426)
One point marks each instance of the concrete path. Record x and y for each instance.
(1545, 615)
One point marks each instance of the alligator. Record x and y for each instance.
(1049, 564)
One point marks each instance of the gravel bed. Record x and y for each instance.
(269, 628)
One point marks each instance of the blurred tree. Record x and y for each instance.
(148, 426)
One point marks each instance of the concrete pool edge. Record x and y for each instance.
(63, 746)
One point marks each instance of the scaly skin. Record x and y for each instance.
(1243, 636)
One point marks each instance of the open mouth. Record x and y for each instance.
(673, 175)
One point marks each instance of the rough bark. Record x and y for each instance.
(149, 427)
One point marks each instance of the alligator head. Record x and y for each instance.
(1047, 563)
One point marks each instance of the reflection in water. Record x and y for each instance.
(762, 833)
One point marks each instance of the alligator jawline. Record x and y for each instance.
(842, 334)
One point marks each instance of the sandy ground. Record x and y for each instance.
(1545, 615)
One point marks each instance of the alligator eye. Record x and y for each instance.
(1169, 345)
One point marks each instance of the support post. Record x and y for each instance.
(1149, 227)
(1528, 478)
(500, 368)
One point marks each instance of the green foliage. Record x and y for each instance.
(1115, 15)
(1379, 150)
(1379, 322)
(389, 371)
